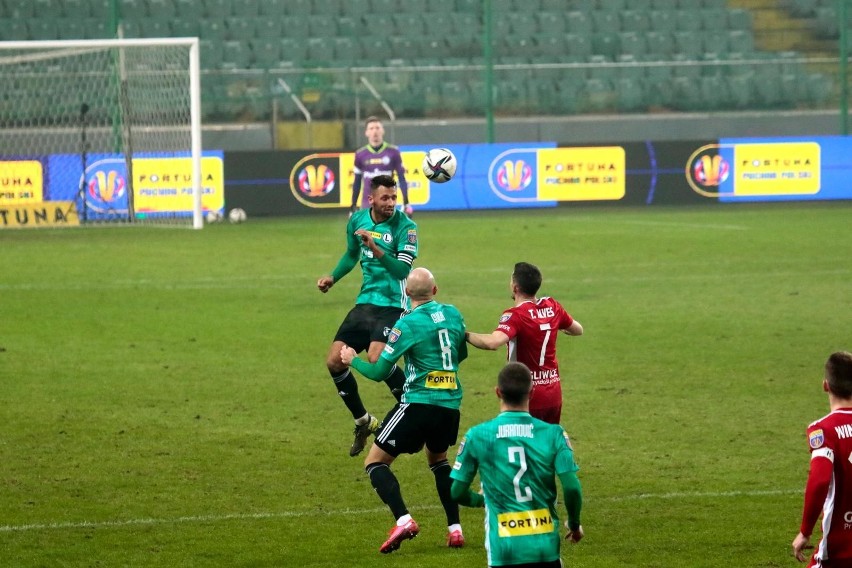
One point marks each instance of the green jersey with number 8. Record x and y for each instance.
(518, 458)
(431, 337)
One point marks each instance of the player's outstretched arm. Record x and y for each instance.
(377, 371)
(573, 495)
(464, 495)
(487, 341)
(574, 329)
(799, 544)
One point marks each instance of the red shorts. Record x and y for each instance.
(551, 414)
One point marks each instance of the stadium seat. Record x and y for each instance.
(273, 8)
(686, 94)
(581, 5)
(662, 21)
(443, 6)
(685, 67)
(657, 79)
(298, 8)
(132, 9)
(211, 53)
(605, 21)
(155, 27)
(630, 95)
(578, 45)
(293, 49)
(219, 8)
(161, 8)
(635, 21)
(13, 30)
(688, 44)
(551, 47)
(739, 19)
(740, 41)
(97, 28)
(716, 41)
(43, 29)
(629, 67)
(408, 23)
(294, 26)
(597, 95)
(549, 23)
(613, 5)
(739, 91)
(246, 8)
(347, 49)
(188, 8)
(72, 28)
(607, 44)
(688, 20)
(185, 27)
(633, 43)
(268, 28)
(523, 24)
(568, 95)
(664, 4)
(689, 4)
(212, 29)
(240, 28)
(320, 26)
(76, 9)
(714, 92)
(577, 22)
(266, 52)
(320, 50)
(237, 53)
(660, 44)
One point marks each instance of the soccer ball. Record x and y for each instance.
(236, 215)
(439, 165)
(213, 217)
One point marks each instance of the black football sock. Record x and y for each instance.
(347, 388)
(443, 482)
(387, 487)
(396, 383)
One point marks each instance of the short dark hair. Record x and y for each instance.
(838, 373)
(515, 383)
(527, 277)
(372, 118)
(382, 181)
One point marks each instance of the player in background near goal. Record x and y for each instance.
(431, 338)
(829, 487)
(384, 240)
(530, 330)
(377, 158)
(518, 458)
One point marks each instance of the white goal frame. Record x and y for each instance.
(194, 67)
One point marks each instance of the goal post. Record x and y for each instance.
(112, 128)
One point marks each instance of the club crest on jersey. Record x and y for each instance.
(387, 237)
(505, 317)
(412, 236)
(816, 438)
(393, 335)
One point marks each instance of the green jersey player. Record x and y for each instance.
(518, 458)
(431, 338)
(384, 241)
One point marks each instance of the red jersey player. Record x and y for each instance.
(829, 488)
(530, 330)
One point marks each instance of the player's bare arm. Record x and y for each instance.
(489, 341)
(347, 354)
(574, 329)
(799, 544)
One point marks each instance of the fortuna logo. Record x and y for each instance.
(514, 176)
(106, 186)
(711, 170)
(524, 523)
(316, 181)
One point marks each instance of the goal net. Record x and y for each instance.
(109, 129)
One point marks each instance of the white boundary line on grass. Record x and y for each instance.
(342, 512)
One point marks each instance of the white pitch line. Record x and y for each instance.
(344, 512)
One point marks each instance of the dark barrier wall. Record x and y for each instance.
(498, 176)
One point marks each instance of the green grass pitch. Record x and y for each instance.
(164, 400)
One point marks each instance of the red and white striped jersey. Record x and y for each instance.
(532, 328)
(829, 488)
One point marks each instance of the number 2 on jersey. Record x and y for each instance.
(526, 494)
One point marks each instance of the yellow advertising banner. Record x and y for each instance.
(21, 181)
(412, 162)
(785, 168)
(36, 215)
(581, 174)
(165, 184)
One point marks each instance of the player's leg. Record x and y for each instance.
(385, 318)
(397, 435)
(549, 414)
(442, 433)
(353, 334)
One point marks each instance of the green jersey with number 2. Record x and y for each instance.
(518, 458)
(431, 337)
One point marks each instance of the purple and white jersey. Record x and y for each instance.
(371, 162)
